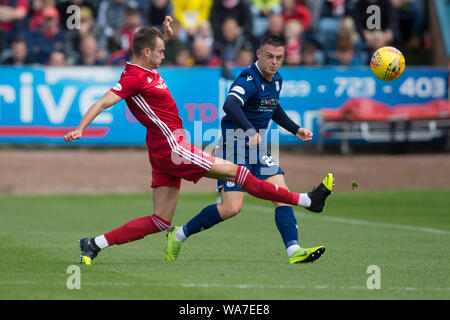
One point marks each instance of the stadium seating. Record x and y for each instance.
(372, 121)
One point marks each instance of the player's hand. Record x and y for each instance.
(71, 136)
(254, 140)
(168, 31)
(304, 134)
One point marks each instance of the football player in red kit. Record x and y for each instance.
(172, 158)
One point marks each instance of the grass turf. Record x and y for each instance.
(405, 233)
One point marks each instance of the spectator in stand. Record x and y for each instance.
(331, 14)
(261, 10)
(87, 27)
(345, 54)
(111, 18)
(237, 9)
(205, 32)
(334, 9)
(48, 38)
(275, 28)
(117, 56)
(315, 8)
(411, 22)
(232, 41)
(89, 52)
(191, 13)
(131, 25)
(63, 5)
(376, 38)
(155, 11)
(36, 13)
(245, 57)
(12, 18)
(57, 59)
(19, 54)
(203, 54)
(297, 10)
(292, 34)
(309, 54)
(183, 57)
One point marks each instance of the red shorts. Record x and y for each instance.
(170, 165)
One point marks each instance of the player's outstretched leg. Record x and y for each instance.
(131, 231)
(304, 255)
(319, 194)
(173, 246)
(176, 236)
(89, 250)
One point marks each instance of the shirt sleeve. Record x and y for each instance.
(280, 117)
(243, 88)
(234, 111)
(128, 85)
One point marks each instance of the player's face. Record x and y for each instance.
(270, 59)
(156, 56)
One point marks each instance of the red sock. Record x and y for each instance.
(263, 189)
(136, 229)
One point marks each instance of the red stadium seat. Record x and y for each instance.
(370, 110)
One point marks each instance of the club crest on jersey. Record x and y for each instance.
(230, 184)
(117, 87)
(277, 85)
(149, 80)
(249, 78)
(262, 87)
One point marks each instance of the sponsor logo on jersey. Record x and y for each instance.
(149, 80)
(267, 105)
(249, 78)
(117, 87)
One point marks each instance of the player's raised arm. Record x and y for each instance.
(168, 31)
(106, 101)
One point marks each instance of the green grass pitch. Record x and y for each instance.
(405, 233)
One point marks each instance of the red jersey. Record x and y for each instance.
(149, 99)
(171, 156)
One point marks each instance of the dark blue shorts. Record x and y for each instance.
(259, 162)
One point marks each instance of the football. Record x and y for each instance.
(387, 63)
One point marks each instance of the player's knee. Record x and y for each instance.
(230, 210)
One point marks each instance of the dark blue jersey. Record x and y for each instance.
(258, 96)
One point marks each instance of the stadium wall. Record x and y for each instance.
(39, 104)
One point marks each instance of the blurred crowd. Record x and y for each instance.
(207, 32)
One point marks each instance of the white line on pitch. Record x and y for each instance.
(354, 221)
(217, 285)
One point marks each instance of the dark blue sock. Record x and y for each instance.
(208, 217)
(287, 225)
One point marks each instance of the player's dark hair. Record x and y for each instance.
(272, 40)
(145, 38)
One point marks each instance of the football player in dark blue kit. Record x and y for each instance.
(252, 101)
